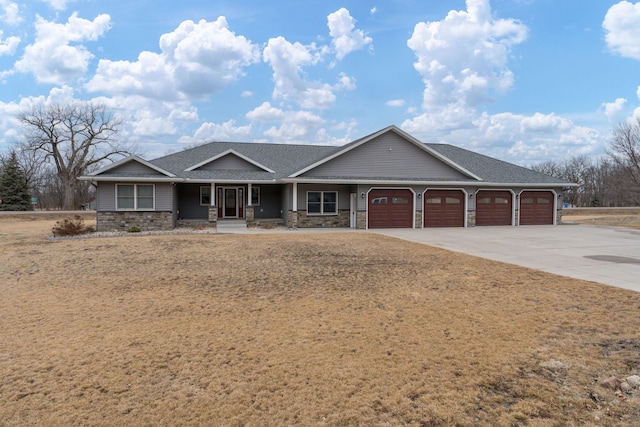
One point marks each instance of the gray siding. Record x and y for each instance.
(343, 194)
(270, 201)
(106, 196)
(229, 162)
(189, 202)
(134, 168)
(388, 156)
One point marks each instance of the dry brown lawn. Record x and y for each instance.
(300, 329)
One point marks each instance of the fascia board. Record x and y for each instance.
(225, 153)
(131, 159)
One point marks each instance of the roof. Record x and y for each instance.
(285, 162)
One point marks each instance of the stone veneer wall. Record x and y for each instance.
(418, 219)
(302, 220)
(122, 221)
(213, 215)
(559, 216)
(361, 220)
(471, 218)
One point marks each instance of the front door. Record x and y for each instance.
(230, 202)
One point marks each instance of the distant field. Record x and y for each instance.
(301, 329)
(623, 217)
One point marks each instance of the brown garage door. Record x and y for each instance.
(536, 207)
(390, 209)
(493, 208)
(444, 208)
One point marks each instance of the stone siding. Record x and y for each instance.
(471, 218)
(213, 214)
(558, 216)
(122, 221)
(361, 220)
(302, 220)
(418, 219)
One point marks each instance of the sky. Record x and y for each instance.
(524, 81)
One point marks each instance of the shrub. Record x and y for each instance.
(71, 227)
(133, 229)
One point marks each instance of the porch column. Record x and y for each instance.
(293, 217)
(213, 210)
(295, 197)
(249, 212)
(249, 194)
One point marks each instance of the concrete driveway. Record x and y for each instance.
(609, 255)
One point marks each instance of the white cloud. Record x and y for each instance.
(265, 113)
(613, 109)
(463, 58)
(246, 94)
(196, 60)
(302, 127)
(226, 131)
(9, 45)
(373, 10)
(57, 55)
(396, 103)
(10, 12)
(288, 61)
(58, 4)
(622, 26)
(344, 37)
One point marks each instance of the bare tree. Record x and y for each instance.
(74, 137)
(624, 150)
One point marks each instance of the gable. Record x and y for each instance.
(133, 168)
(388, 155)
(229, 162)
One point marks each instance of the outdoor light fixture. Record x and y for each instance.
(419, 195)
(362, 195)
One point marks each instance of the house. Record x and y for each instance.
(383, 180)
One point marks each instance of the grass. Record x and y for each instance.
(301, 329)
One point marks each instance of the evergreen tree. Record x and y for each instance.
(14, 191)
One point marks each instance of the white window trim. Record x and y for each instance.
(135, 198)
(254, 188)
(322, 213)
(201, 188)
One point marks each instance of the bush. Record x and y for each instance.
(71, 227)
(133, 229)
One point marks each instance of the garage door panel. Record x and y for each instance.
(444, 208)
(536, 208)
(390, 209)
(494, 208)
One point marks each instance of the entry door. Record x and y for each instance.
(230, 202)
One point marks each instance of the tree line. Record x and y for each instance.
(612, 180)
(64, 142)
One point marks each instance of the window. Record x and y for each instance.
(434, 200)
(399, 201)
(452, 201)
(322, 202)
(379, 201)
(502, 201)
(255, 196)
(205, 195)
(135, 197)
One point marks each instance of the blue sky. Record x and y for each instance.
(521, 80)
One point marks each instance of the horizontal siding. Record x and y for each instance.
(134, 168)
(343, 194)
(164, 197)
(387, 156)
(230, 162)
(106, 196)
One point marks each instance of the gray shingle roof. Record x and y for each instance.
(286, 159)
(493, 170)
